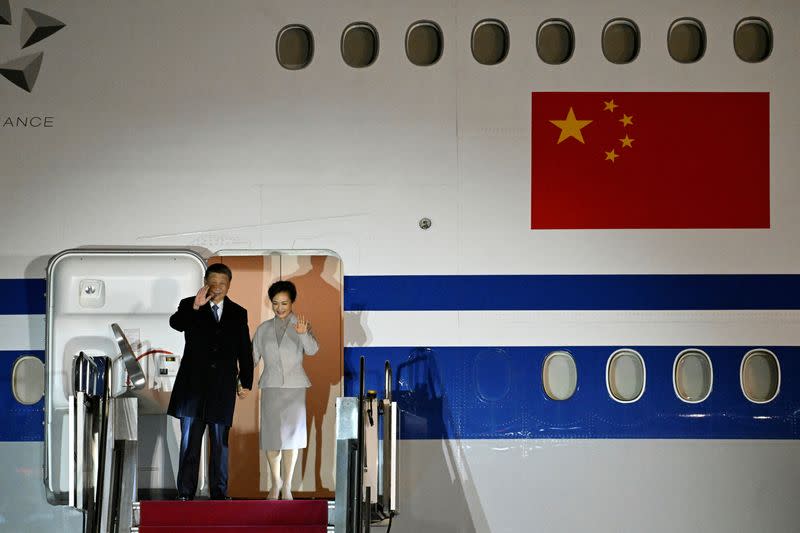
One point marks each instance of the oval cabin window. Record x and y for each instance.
(620, 41)
(359, 45)
(295, 47)
(27, 380)
(692, 376)
(559, 376)
(489, 42)
(752, 40)
(760, 376)
(625, 376)
(686, 40)
(492, 374)
(424, 43)
(555, 41)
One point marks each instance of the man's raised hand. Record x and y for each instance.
(202, 298)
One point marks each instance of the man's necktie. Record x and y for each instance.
(215, 308)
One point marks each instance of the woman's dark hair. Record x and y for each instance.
(219, 268)
(282, 286)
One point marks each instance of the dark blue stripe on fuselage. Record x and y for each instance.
(497, 393)
(523, 292)
(18, 422)
(456, 404)
(22, 296)
(571, 292)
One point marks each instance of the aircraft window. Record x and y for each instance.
(27, 380)
(490, 42)
(760, 376)
(686, 40)
(359, 45)
(295, 47)
(620, 41)
(424, 43)
(492, 374)
(625, 376)
(693, 376)
(555, 41)
(559, 375)
(752, 40)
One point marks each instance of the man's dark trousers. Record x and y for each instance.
(192, 429)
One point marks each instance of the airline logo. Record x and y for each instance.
(34, 27)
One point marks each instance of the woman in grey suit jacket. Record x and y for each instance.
(281, 343)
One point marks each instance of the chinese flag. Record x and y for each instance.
(650, 160)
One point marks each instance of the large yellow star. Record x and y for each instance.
(627, 141)
(570, 127)
(611, 156)
(626, 120)
(610, 106)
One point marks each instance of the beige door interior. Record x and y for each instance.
(318, 278)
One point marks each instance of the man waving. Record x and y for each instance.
(216, 353)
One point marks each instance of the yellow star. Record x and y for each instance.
(626, 120)
(570, 127)
(610, 106)
(627, 141)
(611, 156)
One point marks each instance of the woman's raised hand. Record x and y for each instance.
(302, 325)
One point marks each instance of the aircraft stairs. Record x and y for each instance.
(103, 465)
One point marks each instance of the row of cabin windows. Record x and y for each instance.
(626, 376)
(555, 42)
(692, 376)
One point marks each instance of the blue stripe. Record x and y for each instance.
(523, 292)
(18, 422)
(579, 292)
(22, 296)
(497, 393)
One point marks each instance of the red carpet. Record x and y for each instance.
(239, 516)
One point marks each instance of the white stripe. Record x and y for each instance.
(21, 332)
(572, 328)
(522, 328)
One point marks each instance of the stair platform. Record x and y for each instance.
(229, 516)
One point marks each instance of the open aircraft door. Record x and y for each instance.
(100, 304)
(104, 302)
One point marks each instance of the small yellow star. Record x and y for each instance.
(570, 127)
(626, 120)
(627, 141)
(611, 156)
(610, 106)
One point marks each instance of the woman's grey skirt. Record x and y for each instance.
(283, 418)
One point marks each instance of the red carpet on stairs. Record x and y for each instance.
(234, 516)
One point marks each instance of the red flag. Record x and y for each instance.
(650, 160)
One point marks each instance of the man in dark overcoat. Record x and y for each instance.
(217, 353)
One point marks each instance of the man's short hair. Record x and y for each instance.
(219, 268)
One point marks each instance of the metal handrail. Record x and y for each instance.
(387, 381)
(87, 390)
(360, 458)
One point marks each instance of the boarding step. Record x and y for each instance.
(233, 529)
(241, 516)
